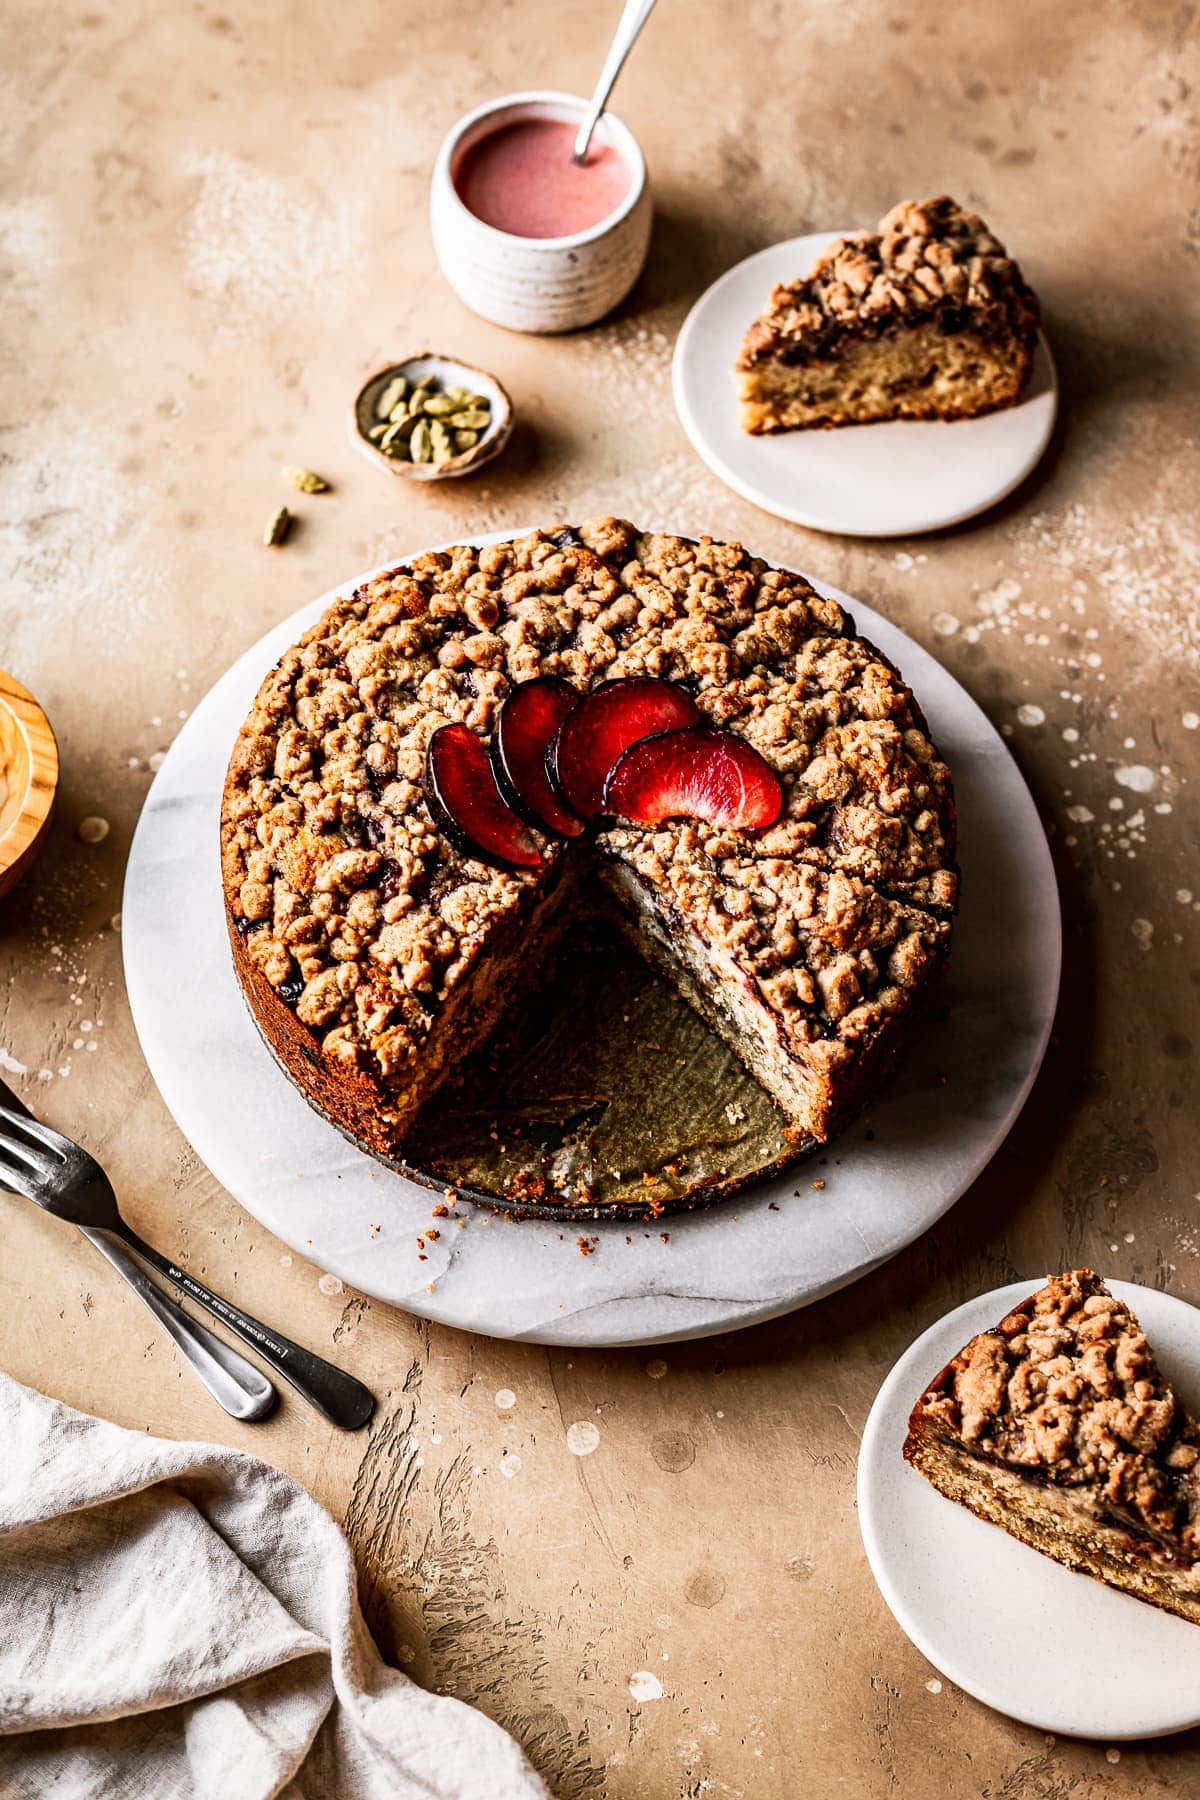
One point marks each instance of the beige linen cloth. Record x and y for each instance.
(181, 1620)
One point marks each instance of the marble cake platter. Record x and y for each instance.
(884, 480)
(783, 1243)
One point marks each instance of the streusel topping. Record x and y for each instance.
(831, 955)
(1070, 1387)
(366, 919)
(927, 261)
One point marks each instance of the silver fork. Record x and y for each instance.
(65, 1180)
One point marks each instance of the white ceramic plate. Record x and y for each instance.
(887, 480)
(1057, 1650)
(887, 1179)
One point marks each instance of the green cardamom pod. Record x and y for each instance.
(419, 444)
(392, 393)
(277, 527)
(306, 481)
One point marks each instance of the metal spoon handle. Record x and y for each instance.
(632, 19)
(343, 1400)
(236, 1384)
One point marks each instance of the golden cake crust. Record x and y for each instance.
(357, 926)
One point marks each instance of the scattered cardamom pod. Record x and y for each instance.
(277, 527)
(306, 481)
(419, 422)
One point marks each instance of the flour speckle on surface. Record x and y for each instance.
(331, 1285)
(1080, 815)
(92, 830)
(1190, 721)
(582, 1437)
(934, 1686)
(505, 1399)
(645, 1686)
(1137, 777)
(1031, 715)
(73, 544)
(260, 244)
(1145, 570)
(509, 1464)
(944, 624)
(10, 1065)
(1143, 932)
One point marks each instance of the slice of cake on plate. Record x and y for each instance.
(926, 318)
(1059, 1426)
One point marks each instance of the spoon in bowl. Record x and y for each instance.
(630, 24)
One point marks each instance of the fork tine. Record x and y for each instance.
(13, 1101)
(15, 1172)
(27, 1132)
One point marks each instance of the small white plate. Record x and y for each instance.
(886, 480)
(1057, 1650)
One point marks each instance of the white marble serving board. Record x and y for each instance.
(886, 1180)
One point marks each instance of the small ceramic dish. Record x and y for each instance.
(28, 779)
(449, 373)
(539, 284)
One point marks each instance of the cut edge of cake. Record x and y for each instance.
(925, 318)
(1058, 1426)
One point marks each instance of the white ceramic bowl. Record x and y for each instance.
(538, 284)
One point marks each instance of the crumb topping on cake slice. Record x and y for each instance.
(1060, 1426)
(928, 260)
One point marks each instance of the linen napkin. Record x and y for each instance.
(181, 1620)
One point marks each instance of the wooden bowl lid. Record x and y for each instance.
(28, 779)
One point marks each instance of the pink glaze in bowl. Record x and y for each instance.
(539, 283)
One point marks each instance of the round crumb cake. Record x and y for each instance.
(377, 952)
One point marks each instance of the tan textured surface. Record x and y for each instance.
(214, 226)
